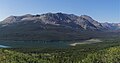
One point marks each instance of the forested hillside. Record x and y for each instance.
(110, 55)
(79, 54)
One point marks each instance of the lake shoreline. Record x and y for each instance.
(90, 41)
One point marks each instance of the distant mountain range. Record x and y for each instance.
(111, 26)
(51, 25)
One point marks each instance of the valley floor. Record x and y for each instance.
(107, 51)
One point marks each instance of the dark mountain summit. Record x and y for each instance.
(51, 26)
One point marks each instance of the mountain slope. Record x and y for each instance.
(111, 26)
(49, 26)
(57, 19)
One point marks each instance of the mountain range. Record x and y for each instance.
(111, 26)
(52, 26)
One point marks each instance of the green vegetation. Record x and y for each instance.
(102, 52)
(7, 56)
(111, 55)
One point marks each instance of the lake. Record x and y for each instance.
(2, 46)
(34, 44)
(44, 44)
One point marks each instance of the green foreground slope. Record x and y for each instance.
(7, 56)
(109, 55)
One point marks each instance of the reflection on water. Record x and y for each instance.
(2, 46)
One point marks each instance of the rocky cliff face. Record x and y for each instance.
(68, 20)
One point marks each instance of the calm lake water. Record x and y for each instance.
(2, 46)
(34, 44)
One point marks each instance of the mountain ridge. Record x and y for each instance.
(52, 26)
(84, 21)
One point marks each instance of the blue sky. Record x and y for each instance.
(100, 10)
